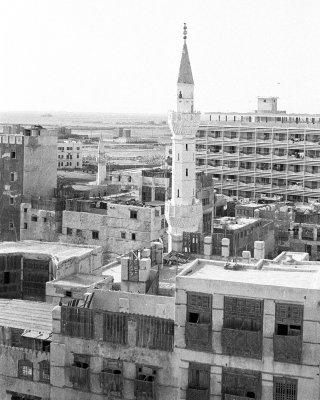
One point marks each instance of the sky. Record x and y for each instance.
(123, 55)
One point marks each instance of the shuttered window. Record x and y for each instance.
(115, 328)
(77, 322)
(285, 388)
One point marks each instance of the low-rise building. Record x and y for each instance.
(26, 267)
(69, 154)
(115, 224)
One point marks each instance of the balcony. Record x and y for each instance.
(197, 394)
(144, 390)
(111, 383)
(287, 348)
(236, 342)
(80, 377)
(198, 336)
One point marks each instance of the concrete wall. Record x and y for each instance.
(9, 357)
(46, 227)
(146, 227)
(306, 373)
(10, 192)
(40, 164)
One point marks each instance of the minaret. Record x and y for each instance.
(183, 211)
(102, 171)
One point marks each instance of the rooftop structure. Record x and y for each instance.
(69, 154)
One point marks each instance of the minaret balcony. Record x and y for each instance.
(184, 124)
(184, 217)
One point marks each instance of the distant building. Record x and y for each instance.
(27, 168)
(69, 154)
(263, 154)
(118, 225)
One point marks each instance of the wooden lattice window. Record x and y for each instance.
(155, 333)
(25, 369)
(77, 322)
(285, 388)
(242, 313)
(80, 371)
(287, 345)
(44, 371)
(198, 382)
(193, 242)
(115, 328)
(239, 382)
(111, 378)
(199, 320)
(145, 383)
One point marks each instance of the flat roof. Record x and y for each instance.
(78, 281)
(233, 223)
(61, 251)
(297, 274)
(25, 314)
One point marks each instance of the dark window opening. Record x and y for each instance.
(133, 236)
(193, 317)
(25, 210)
(34, 218)
(134, 214)
(282, 329)
(123, 235)
(95, 235)
(25, 225)
(6, 277)
(68, 293)
(187, 171)
(12, 154)
(187, 147)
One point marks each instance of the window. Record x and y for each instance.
(34, 218)
(287, 343)
(25, 210)
(12, 154)
(79, 373)
(95, 235)
(242, 384)
(25, 369)
(6, 277)
(134, 214)
(198, 381)
(242, 323)
(187, 171)
(78, 156)
(186, 147)
(133, 236)
(178, 193)
(44, 219)
(69, 231)
(25, 225)
(285, 388)
(68, 293)
(44, 371)
(144, 385)
(123, 235)
(13, 176)
(111, 377)
(11, 201)
(11, 226)
(199, 321)
(78, 232)
(156, 213)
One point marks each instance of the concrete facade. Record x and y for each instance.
(28, 168)
(69, 154)
(117, 226)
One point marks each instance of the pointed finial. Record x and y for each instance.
(184, 31)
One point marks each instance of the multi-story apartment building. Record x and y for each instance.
(248, 331)
(69, 154)
(27, 168)
(266, 153)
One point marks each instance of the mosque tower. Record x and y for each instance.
(102, 171)
(183, 211)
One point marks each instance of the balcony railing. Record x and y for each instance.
(144, 390)
(111, 383)
(80, 377)
(287, 348)
(236, 342)
(198, 336)
(197, 394)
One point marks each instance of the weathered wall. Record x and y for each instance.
(40, 164)
(10, 209)
(9, 380)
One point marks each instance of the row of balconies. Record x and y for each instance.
(111, 383)
(243, 343)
